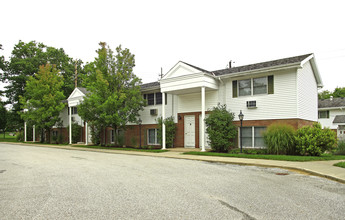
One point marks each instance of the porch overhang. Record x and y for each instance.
(188, 83)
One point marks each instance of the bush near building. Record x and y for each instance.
(280, 139)
(221, 129)
(306, 141)
(313, 140)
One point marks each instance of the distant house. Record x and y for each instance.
(283, 91)
(332, 114)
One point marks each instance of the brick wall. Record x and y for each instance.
(296, 123)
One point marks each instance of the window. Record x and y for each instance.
(158, 98)
(254, 86)
(260, 86)
(155, 98)
(55, 133)
(324, 114)
(112, 137)
(151, 99)
(244, 87)
(152, 136)
(74, 110)
(253, 137)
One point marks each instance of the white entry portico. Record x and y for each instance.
(184, 78)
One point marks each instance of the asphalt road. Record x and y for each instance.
(46, 183)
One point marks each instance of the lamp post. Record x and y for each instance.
(140, 121)
(241, 116)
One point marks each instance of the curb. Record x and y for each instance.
(298, 169)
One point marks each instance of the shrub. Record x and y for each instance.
(170, 130)
(76, 132)
(221, 129)
(20, 136)
(279, 139)
(121, 140)
(313, 140)
(340, 150)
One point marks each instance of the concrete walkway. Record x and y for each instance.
(318, 168)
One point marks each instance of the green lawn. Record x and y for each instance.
(122, 148)
(340, 164)
(8, 138)
(271, 157)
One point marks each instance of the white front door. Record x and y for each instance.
(207, 145)
(189, 131)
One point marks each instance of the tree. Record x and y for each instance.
(3, 117)
(220, 128)
(25, 61)
(337, 93)
(115, 98)
(42, 101)
(324, 94)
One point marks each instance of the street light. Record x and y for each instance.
(241, 116)
(140, 121)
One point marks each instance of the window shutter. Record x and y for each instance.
(270, 84)
(234, 88)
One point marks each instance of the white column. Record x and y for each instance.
(24, 131)
(33, 133)
(86, 135)
(70, 125)
(163, 117)
(203, 118)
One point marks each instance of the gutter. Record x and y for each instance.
(283, 67)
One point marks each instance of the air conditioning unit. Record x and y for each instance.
(251, 104)
(73, 119)
(153, 111)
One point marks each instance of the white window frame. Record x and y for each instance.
(252, 86)
(253, 137)
(148, 136)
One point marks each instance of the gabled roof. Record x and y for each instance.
(195, 67)
(257, 66)
(334, 103)
(151, 85)
(83, 90)
(339, 119)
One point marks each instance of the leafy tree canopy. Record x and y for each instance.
(3, 116)
(115, 98)
(43, 97)
(337, 93)
(25, 60)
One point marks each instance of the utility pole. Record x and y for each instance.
(76, 75)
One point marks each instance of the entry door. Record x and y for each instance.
(189, 131)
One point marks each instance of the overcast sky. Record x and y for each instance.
(207, 34)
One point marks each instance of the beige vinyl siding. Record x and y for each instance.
(280, 105)
(192, 102)
(307, 93)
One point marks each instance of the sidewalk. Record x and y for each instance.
(318, 168)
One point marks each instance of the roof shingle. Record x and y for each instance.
(328, 103)
(262, 65)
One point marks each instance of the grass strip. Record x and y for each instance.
(340, 164)
(271, 157)
(121, 148)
